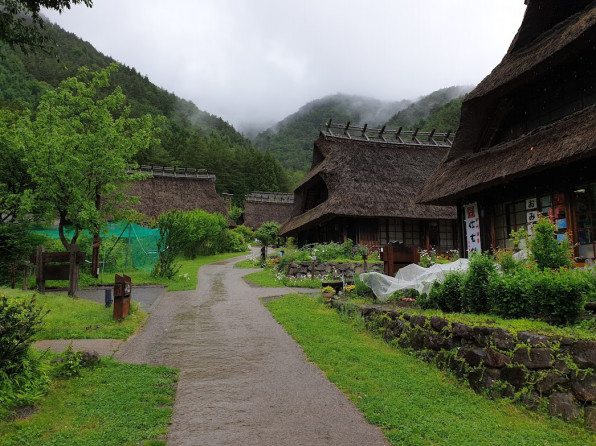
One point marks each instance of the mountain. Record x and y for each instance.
(291, 140)
(190, 137)
(439, 110)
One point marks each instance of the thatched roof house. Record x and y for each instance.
(526, 141)
(362, 186)
(168, 188)
(261, 207)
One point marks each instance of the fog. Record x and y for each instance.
(256, 61)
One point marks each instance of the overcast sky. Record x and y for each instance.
(253, 61)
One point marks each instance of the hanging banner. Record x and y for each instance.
(472, 227)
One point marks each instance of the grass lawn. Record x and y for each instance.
(113, 404)
(79, 319)
(186, 279)
(411, 401)
(267, 278)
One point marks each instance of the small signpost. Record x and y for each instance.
(122, 292)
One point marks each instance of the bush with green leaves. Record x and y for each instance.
(556, 296)
(190, 233)
(22, 379)
(246, 232)
(447, 295)
(546, 250)
(267, 233)
(475, 297)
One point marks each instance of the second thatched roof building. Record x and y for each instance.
(362, 186)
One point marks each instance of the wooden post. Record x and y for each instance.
(39, 280)
(25, 277)
(95, 256)
(73, 272)
(12, 276)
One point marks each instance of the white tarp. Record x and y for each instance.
(410, 277)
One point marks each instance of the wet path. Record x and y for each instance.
(243, 380)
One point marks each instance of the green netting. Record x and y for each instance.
(124, 246)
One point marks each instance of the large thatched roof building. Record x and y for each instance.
(261, 207)
(362, 185)
(169, 188)
(526, 141)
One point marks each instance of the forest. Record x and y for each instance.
(188, 136)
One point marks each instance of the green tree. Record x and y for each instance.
(79, 146)
(267, 233)
(21, 23)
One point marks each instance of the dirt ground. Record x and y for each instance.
(243, 380)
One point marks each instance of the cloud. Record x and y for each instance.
(260, 60)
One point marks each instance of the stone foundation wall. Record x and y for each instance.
(552, 372)
(300, 270)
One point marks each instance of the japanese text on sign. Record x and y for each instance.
(472, 227)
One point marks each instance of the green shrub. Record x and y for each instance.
(361, 289)
(556, 296)
(475, 287)
(545, 250)
(22, 379)
(561, 295)
(20, 320)
(247, 233)
(267, 233)
(72, 363)
(190, 233)
(511, 293)
(446, 295)
(233, 242)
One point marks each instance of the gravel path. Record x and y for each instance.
(243, 380)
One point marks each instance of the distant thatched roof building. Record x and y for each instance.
(169, 188)
(261, 207)
(528, 130)
(363, 180)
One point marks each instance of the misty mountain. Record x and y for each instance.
(189, 137)
(291, 139)
(439, 110)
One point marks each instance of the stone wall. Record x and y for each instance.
(300, 270)
(552, 372)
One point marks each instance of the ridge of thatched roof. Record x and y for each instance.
(537, 56)
(367, 179)
(563, 142)
(269, 197)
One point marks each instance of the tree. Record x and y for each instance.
(21, 22)
(14, 179)
(79, 146)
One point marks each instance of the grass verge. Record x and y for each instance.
(112, 404)
(411, 401)
(186, 279)
(70, 318)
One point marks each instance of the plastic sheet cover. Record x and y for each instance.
(410, 277)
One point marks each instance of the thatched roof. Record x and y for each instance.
(161, 193)
(566, 141)
(258, 212)
(366, 179)
(533, 51)
(553, 34)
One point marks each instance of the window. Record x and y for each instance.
(515, 215)
(584, 202)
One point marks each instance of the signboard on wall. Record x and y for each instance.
(472, 227)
